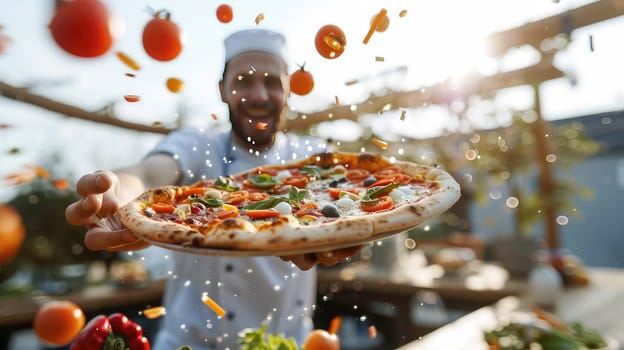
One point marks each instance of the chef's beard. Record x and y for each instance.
(247, 134)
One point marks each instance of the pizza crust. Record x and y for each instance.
(286, 233)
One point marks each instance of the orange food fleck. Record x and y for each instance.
(261, 126)
(131, 75)
(154, 312)
(372, 332)
(132, 98)
(61, 184)
(214, 116)
(402, 13)
(337, 101)
(381, 144)
(175, 85)
(128, 61)
(212, 305)
(334, 325)
(259, 18)
(41, 172)
(380, 16)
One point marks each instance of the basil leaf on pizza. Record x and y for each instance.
(326, 201)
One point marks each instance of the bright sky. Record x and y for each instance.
(435, 40)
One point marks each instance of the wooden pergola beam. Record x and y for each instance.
(535, 32)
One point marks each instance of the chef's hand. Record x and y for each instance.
(328, 258)
(97, 209)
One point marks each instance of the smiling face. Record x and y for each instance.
(255, 87)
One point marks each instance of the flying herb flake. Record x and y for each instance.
(128, 61)
(403, 113)
(372, 332)
(131, 75)
(259, 18)
(61, 184)
(174, 85)
(336, 101)
(381, 144)
(154, 312)
(334, 325)
(380, 16)
(132, 98)
(352, 82)
(212, 305)
(591, 43)
(379, 59)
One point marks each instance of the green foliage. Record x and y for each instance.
(261, 339)
(50, 241)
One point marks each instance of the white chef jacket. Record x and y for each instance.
(250, 289)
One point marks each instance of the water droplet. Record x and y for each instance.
(512, 202)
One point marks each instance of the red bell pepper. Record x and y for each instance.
(115, 332)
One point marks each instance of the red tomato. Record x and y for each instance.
(225, 13)
(320, 339)
(381, 203)
(357, 174)
(299, 181)
(82, 27)
(12, 233)
(162, 38)
(58, 322)
(330, 41)
(301, 81)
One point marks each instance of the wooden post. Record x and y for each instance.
(542, 140)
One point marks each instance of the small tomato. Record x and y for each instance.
(301, 81)
(82, 27)
(58, 322)
(162, 38)
(320, 339)
(330, 41)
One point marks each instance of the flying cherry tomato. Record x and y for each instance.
(82, 27)
(301, 81)
(162, 38)
(320, 339)
(58, 322)
(330, 41)
(225, 13)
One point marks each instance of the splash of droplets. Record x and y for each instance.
(410, 243)
(363, 318)
(512, 202)
(471, 154)
(496, 194)
(551, 158)
(277, 288)
(562, 220)
(187, 283)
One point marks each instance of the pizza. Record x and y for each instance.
(326, 201)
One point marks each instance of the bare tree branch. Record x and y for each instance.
(23, 95)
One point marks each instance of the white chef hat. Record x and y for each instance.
(255, 40)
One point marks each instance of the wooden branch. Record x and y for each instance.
(435, 94)
(535, 32)
(23, 95)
